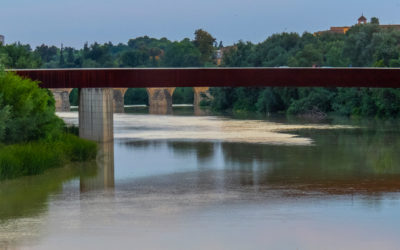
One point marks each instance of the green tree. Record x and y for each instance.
(374, 20)
(204, 41)
(307, 57)
(134, 59)
(358, 47)
(30, 110)
(19, 56)
(182, 54)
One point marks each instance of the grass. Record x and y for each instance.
(34, 158)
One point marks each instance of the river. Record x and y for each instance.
(186, 181)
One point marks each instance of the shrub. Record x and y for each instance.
(29, 110)
(35, 157)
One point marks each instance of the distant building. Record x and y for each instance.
(219, 54)
(1, 39)
(361, 20)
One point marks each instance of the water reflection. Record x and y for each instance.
(24, 201)
(343, 162)
(165, 185)
(204, 151)
(200, 111)
(160, 110)
(104, 178)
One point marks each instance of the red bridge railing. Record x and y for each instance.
(214, 77)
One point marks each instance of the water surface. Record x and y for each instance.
(216, 182)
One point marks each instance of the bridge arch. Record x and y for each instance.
(160, 97)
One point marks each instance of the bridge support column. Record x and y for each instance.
(96, 114)
(160, 100)
(61, 97)
(118, 102)
(200, 94)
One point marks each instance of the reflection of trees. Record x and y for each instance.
(203, 150)
(27, 197)
(143, 144)
(201, 111)
(342, 161)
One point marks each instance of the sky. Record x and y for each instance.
(74, 22)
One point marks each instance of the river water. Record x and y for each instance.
(185, 181)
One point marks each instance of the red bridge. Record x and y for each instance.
(215, 77)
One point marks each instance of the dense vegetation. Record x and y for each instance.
(363, 45)
(32, 137)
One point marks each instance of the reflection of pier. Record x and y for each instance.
(160, 110)
(104, 178)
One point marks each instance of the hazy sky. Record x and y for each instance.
(73, 22)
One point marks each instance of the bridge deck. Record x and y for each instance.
(215, 77)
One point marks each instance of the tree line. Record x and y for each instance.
(364, 45)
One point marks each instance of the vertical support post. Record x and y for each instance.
(160, 100)
(119, 94)
(61, 97)
(96, 114)
(201, 93)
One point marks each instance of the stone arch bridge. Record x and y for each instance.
(159, 98)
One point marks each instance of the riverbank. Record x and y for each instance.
(32, 137)
(34, 158)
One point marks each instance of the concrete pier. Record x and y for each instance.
(118, 102)
(61, 97)
(160, 97)
(96, 114)
(201, 93)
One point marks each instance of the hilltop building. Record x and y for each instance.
(1, 39)
(361, 20)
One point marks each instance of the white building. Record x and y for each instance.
(1, 39)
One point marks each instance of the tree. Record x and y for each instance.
(31, 113)
(307, 57)
(134, 59)
(358, 47)
(62, 60)
(182, 54)
(19, 56)
(374, 20)
(239, 55)
(204, 41)
(46, 53)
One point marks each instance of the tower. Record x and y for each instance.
(362, 19)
